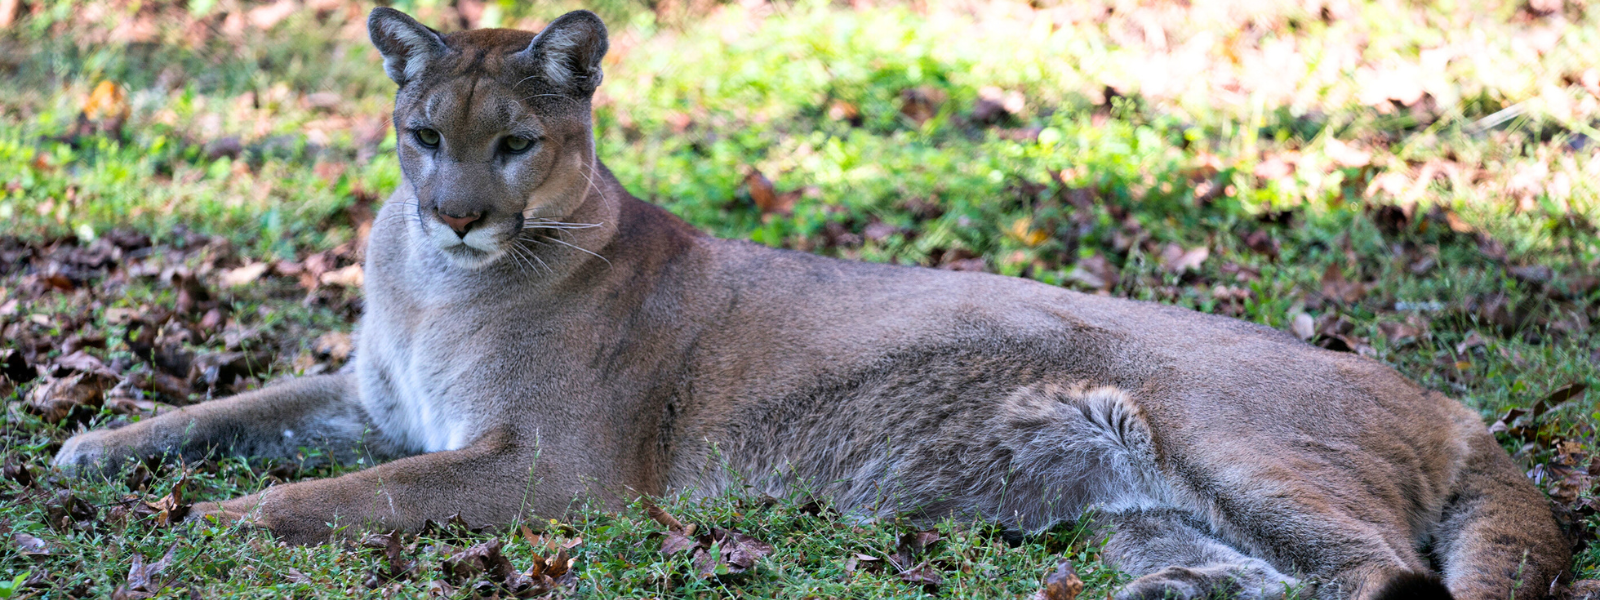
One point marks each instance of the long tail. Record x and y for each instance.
(1498, 538)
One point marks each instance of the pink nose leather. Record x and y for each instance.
(459, 224)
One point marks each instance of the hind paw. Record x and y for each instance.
(1243, 582)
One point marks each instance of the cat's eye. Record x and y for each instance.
(428, 137)
(514, 144)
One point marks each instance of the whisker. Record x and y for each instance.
(575, 247)
(580, 249)
(541, 262)
(557, 227)
(514, 256)
(550, 223)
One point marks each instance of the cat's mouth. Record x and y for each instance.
(476, 249)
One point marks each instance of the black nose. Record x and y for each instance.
(460, 224)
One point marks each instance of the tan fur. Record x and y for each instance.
(580, 345)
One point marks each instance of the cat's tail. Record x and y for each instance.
(1497, 537)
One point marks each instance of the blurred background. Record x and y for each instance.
(187, 185)
(272, 117)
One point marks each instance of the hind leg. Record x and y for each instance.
(1172, 557)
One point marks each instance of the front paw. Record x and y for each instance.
(224, 513)
(267, 511)
(87, 452)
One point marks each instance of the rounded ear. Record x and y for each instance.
(567, 53)
(406, 45)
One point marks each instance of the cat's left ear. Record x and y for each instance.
(567, 53)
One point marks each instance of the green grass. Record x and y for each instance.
(1106, 163)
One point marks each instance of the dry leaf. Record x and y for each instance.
(766, 197)
(1022, 230)
(142, 578)
(107, 101)
(173, 507)
(398, 567)
(54, 399)
(923, 574)
(242, 276)
(1175, 259)
(1303, 326)
(1338, 289)
(29, 545)
(920, 104)
(350, 277)
(1473, 340)
(1094, 272)
(335, 345)
(1063, 584)
(1346, 155)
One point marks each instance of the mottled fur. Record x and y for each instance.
(577, 344)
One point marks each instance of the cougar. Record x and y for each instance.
(535, 337)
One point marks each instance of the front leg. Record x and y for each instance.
(494, 481)
(320, 412)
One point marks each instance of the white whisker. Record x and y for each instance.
(573, 246)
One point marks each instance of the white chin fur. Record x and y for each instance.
(479, 249)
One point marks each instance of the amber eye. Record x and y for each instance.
(428, 137)
(514, 144)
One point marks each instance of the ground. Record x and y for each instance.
(188, 187)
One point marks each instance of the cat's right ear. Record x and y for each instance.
(407, 46)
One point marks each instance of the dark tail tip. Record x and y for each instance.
(1412, 585)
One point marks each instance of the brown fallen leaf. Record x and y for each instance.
(720, 552)
(220, 370)
(1023, 231)
(81, 362)
(394, 555)
(920, 104)
(55, 399)
(766, 197)
(105, 110)
(1401, 334)
(839, 110)
(18, 472)
(673, 542)
(350, 277)
(1473, 340)
(995, 104)
(740, 551)
(923, 574)
(143, 579)
(173, 507)
(1503, 424)
(912, 545)
(243, 276)
(1261, 242)
(1176, 259)
(1303, 326)
(193, 297)
(30, 546)
(481, 559)
(1559, 396)
(873, 563)
(1062, 584)
(1335, 332)
(266, 16)
(1338, 289)
(1094, 272)
(334, 345)
(1346, 155)
(679, 537)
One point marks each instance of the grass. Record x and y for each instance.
(1349, 164)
